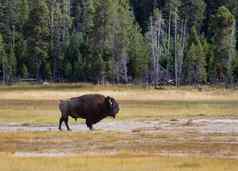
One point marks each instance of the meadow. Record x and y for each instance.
(176, 148)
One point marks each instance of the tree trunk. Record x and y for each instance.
(175, 48)
(153, 53)
(159, 52)
(168, 50)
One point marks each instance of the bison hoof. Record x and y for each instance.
(91, 129)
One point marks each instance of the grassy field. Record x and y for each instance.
(115, 163)
(40, 104)
(112, 151)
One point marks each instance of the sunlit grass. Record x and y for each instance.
(100, 142)
(39, 104)
(46, 111)
(116, 151)
(121, 92)
(121, 162)
(158, 109)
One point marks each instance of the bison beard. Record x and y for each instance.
(92, 107)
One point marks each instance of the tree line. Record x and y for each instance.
(119, 41)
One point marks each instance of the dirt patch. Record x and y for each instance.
(210, 137)
(222, 126)
(202, 126)
(36, 154)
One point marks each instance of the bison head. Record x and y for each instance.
(113, 106)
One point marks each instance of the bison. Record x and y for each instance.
(91, 107)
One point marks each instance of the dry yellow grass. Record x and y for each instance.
(111, 151)
(46, 111)
(151, 95)
(141, 142)
(56, 92)
(40, 104)
(115, 163)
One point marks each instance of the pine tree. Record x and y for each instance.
(223, 25)
(195, 60)
(97, 68)
(23, 13)
(83, 12)
(8, 22)
(56, 34)
(24, 71)
(142, 11)
(11, 65)
(47, 71)
(208, 49)
(20, 39)
(3, 59)
(38, 39)
(138, 52)
(194, 12)
(235, 69)
(73, 58)
(68, 71)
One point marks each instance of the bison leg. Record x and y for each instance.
(60, 123)
(89, 125)
(66, 120)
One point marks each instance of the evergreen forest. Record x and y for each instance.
(154, 42)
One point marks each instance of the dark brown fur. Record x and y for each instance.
(92, 107)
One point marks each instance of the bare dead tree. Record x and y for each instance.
(123, 68)
(181, 41)
(155, 36)
(175, 48)
(168, 43)
(159, 49)
(152, 49)
(161, 36)
(232, 55)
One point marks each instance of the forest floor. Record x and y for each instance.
(166, 129)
